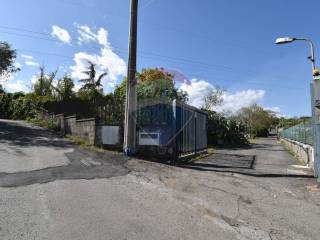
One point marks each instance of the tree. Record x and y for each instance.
(92, 85)
(257, 119)
(1, 89)
(44, 83)
(213, 98)
(153, 74)
(155, 82)
(7, 59)
(64, 88)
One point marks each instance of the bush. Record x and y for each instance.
(50, 124)
(226, 131)
(18, 106)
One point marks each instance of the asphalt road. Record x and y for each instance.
(50, 189)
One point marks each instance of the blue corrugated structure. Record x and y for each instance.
(175, 130)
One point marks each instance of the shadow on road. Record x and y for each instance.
(83, 165)
(13, 133)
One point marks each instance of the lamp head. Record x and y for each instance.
(284, 40)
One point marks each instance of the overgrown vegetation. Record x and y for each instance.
(41, 122)
(153, 83)
(226, 131)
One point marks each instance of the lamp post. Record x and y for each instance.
(315, 100)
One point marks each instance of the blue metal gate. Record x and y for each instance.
(191, 130)
(181, 128)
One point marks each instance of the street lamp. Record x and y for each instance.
(285, 40)
(315, 100)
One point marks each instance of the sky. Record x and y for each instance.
(208, 43)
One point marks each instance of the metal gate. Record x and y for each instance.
(191, 130)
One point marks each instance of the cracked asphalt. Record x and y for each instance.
(51, 189)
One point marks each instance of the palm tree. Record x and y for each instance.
(91, 83)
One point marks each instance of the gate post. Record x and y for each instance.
(195, 133)
(174, 154)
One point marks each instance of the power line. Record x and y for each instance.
(143, 54)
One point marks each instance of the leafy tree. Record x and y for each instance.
(5, 102)
(120, 90)
(64, 88)
(92, 84)
(257, 119)
(2, 89)
(44, 83)
(289, 122)
(155, 82)
(7, 59)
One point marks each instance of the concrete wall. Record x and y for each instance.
(86, 129)
(59, 119)
(70, 125)
(302, 151)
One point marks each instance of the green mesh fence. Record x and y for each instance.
(300, 133)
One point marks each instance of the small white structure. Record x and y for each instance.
(149, 139)
(110, 135)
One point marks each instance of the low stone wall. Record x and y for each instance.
(302, 151)
(86, 129)
(59, 119)
(70, 125)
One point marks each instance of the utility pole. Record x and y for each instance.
(129, 145)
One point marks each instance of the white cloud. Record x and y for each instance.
(32, 63)
(273, 109)
(86, 35)
(34, 79)
(28, 61)
(17, 65)
(106, 61)
(197, 89)
(15, 86)
(27, 57)
(102, 37)
(61, 34)
(234, 102)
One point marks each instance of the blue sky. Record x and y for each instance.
(227, 43)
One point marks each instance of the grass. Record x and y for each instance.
(210, 151)
(44, 123)
(83, 143)
(292, 153)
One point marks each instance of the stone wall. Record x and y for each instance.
(70, 125)
(59, 119)
(302, 151)
(86, 129)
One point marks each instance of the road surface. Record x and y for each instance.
(50, 189)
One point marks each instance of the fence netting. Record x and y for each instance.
(302, 133)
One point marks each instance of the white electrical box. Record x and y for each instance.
(149, 139)
(110, 135)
